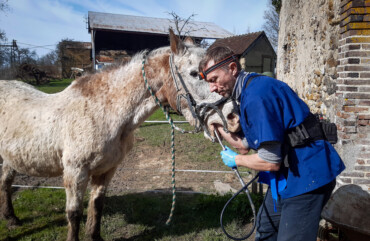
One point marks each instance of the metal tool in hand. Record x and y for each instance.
(235, 169)
(245, 188)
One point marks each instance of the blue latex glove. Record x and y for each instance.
(228, 157)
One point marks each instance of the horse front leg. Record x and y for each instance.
(75, 183)
(99, 185)
(6, 206)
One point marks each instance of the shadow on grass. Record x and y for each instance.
(133, 216)
(27, 230)
(193, 213)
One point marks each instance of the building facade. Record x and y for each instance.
(324, 55)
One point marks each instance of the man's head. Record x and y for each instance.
(222, 78)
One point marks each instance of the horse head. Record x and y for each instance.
(191, 96)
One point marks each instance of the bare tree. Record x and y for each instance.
(50, 58)
(4, 6)
(184, 26)
(271, 25)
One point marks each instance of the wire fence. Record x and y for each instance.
(187, 178)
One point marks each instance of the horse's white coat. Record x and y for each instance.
(85, 131)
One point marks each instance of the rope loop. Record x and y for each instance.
(170, 121)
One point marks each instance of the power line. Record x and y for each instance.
(40, 46)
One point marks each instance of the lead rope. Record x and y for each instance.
(169, 119)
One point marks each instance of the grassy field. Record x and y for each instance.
(135, 216)
(138, 216)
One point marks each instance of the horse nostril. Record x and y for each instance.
(230, 116)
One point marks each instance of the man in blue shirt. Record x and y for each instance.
(300, 178)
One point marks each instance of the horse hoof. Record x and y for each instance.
(13, 223)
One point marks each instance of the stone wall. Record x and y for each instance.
(353, 91)
(308, 51)
(324, 55)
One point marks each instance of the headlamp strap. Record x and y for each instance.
(203, 75)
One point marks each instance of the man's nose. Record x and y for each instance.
(212, 87)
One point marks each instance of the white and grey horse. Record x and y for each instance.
(85, 131)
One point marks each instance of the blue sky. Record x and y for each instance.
(45, 22)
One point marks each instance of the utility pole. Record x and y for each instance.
(13, 48)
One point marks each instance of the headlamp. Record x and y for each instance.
(203, 74)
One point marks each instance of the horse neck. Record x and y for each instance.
(122, 92)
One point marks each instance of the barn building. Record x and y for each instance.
(116, 37)
(254, 50)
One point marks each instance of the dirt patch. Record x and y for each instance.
(148, 168)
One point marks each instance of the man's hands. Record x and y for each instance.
(233, 139)
(228, 157)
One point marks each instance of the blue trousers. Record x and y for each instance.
(296, 219)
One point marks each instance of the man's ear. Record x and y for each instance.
(233, 68)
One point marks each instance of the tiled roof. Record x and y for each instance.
(238, 43)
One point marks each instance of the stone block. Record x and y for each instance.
(353, 61)
(357, 95)
(360, 53)
(364, 89)
(346, 180)
(349, 75)
(349, 123)
(350, 33)
(355, 109)
(347, 88)
(353, 81)
(363, 122)
(343, 115)
(360, 161)
(355, 11)
(364, 102)
(364, 116)
(347, 4)
(349, 209)
(365, 75)
(350, 129)
(358, 40)
(352, 174)
(357, 68)
(361, 181)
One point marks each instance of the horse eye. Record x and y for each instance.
(194, 73)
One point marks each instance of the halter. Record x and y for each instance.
(198, 111)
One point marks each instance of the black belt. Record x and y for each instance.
(312, 129)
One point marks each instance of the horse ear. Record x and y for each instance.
(189, 40)
(176, 45)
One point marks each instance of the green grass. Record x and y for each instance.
(137, 216)
(42, 214)
(55, 86)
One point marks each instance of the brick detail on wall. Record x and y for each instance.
(353, 89)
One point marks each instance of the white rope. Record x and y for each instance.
(179, 170)
(51, 187)
(131, 169)
(184, 170)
